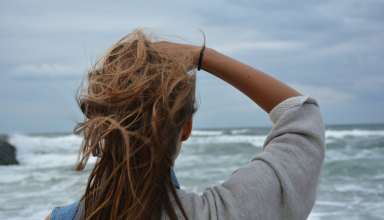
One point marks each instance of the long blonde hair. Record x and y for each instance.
(136, 100)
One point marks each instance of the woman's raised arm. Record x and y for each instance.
(263, 89)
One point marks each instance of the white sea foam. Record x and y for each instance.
(239, 131)
(206, 132)
(50, 150)
(256, 141)
(45, 143)
(354, 132)
(43, 151)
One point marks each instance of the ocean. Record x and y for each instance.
(351, 186)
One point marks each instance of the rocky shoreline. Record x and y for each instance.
(7, 152)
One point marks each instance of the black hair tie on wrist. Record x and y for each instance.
(201, 56)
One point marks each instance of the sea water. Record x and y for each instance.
(351, 186)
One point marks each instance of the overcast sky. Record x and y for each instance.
(331, 50)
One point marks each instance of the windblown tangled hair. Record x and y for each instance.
(135, 100)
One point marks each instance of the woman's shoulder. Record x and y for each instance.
(67, 212)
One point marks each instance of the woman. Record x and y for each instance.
(139, 102)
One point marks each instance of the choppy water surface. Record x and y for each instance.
(351, 187)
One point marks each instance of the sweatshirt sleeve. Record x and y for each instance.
(281, 181)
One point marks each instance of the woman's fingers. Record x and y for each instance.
(179, 52)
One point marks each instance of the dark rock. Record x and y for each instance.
(7, 152)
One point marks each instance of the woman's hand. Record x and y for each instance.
(179, 51)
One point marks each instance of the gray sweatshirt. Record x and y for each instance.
(278, 183)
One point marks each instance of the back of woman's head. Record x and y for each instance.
(136, 100)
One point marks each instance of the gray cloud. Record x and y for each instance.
(331, 50)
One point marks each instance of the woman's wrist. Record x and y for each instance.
(196, 54)
(206, 61)
(197, 51)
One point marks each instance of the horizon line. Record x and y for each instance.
(207, 128)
